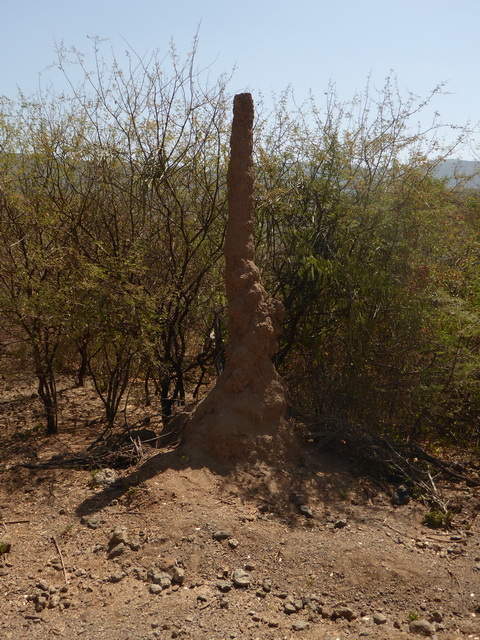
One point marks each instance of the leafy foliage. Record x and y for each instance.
(112, 218)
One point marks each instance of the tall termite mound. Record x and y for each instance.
(242, 418)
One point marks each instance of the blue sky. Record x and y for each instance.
(272, 44)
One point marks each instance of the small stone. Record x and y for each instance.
(436, 616)
(290, 608)
(43, 585)
(300, 625)
(298, 604)
(305, 511)
(379, 618)
(401, 496)
(421, 627)
(119, 535)
(241, 578)
(116, 551)
(93, 522)
(160, 578)
(343, 612)
(155, 589)
(233, 543)
(135, 544)
(54, 601)
(178, 575)
(116, 577)
(221, 535)
(105, 477)
(267, 585)
(224, 585)
(340, 524)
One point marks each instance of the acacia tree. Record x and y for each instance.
(149, 239)
(35, 278)
(348, 213)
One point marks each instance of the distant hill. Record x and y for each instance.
(460, 171)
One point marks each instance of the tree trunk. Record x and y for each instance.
(242, 418)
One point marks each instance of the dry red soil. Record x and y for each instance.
(360, 568)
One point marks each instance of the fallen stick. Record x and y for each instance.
(54, 540)
(14, 521)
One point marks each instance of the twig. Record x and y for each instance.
(454, 578)
(54, 540)
(13, 521)
(385, 524)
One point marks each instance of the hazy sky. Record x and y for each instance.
(272, 44)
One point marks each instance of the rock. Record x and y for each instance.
(436, 616)
(340, 524)
(290, 608)
(305, 511)
(140, 573)
(116, 577)
(221, 535)
(135, 544)
(160, 578)
(343, 612)
(54, 601)
(401, 496)
(421, 627)
(93, 522)
(178, 575)
(119, 535)
(224, 585)
(241, 578)
(40, 603)
(379, 618)
(300, 625)
(116, 551)
(233, 543)
(298, 604)
(155, 589)
(267, 585)
(43, 585)
(105, 477)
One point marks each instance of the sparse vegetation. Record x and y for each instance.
(436, 519)
(112, 219)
